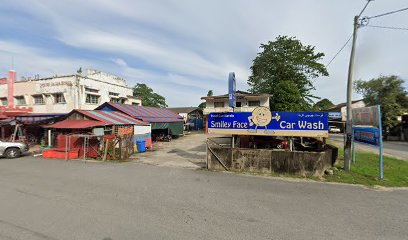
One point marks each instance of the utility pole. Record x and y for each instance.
(347, 145)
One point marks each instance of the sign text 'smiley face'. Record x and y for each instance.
(307, 124)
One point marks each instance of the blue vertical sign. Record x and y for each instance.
(232, 98)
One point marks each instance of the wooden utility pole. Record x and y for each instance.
(347, 145)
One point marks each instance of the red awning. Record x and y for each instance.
(75, 124)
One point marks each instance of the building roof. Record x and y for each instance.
(184, 109)
(75, 124)
(238, 94)
(111, 118)
(146, 114)
(38, 117)
(340, 105)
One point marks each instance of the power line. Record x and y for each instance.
(387, 27)
(388, 13)
(368, 1)
(341, 49)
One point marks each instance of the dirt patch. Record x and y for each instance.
(187, 151)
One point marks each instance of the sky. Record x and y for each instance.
(182, 48)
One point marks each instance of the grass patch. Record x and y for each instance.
(366, 171)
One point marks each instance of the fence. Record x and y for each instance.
(222, 156)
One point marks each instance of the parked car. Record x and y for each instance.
(269, 142)
(12, 149)
(334, 129)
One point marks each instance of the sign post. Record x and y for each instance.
(232, 97)
(353, 147)
(367, 129)
(381, 163)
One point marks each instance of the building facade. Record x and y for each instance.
(342, 108)
(246, 102)
(62, 94)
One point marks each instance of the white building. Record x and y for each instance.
(245, 102)
(61, 94)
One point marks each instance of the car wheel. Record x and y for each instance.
(12, 153)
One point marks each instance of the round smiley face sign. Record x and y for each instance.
(261, 116)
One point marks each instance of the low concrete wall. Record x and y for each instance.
(268, 161)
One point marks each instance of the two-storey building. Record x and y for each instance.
(245, 102)
(62, 94)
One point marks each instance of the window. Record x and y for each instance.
(113, 94)
(254, 103)
(135, 103)
(59, 98)
(219, 104)
(38, 99)
(20, 100)
(115, 100)
(4, 101)
(92, 99)
(87, 89)
(239, 104)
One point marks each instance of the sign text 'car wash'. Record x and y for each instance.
(264, 122)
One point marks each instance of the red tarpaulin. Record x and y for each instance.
(75, 124)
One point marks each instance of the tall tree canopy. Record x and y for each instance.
(149, 98)
(202, 105)
(322, 105)
(286, 59)
(388, 92)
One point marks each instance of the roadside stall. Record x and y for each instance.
(93, 134)
(163, 122)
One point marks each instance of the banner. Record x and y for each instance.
(334, 115)
(266, 123)
(232, 98)
(365, 116)
(367, 135)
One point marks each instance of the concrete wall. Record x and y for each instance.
(277, 161)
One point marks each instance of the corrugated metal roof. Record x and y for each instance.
(38, 117)
(112, 118)
(184, 109)
(149, 114)
(75, 124)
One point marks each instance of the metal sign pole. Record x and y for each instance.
(353, 149)
(381, 163)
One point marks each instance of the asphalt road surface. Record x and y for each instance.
(56, 199)
(396, 149)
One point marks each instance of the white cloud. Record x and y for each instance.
(184, 48)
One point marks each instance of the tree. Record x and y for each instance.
(388, 92)
(323, 104)
(209, 94)
(149, 98)
(286, 59)
(288, 98)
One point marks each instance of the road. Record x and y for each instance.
(57, 199)
(390, 148)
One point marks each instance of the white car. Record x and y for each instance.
(12, 149)
(334, 129)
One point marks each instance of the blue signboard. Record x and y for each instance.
(334, 115)
(367, 135)
(371, 133)
(264, 122)
(232, 98)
